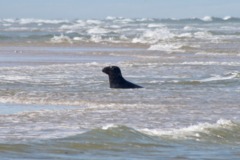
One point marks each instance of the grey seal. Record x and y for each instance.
(116, 79)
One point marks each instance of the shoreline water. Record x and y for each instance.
(55, 102)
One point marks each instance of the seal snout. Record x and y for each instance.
(105, 70)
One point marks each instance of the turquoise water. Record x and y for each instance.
(55, 102)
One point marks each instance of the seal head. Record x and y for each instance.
(116, 79)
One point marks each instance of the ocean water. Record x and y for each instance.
(55, 102)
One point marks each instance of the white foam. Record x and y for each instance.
(77, 38)
(123, 37)
(110, 18)
(127, 20)
(72, 27)
(221, 78)
(96, 38)
(203, 35)
(185, 35)
(188, 28)
(94, 22)
(153, 36)
(61, 39)
(8, 20)
(97, 30)
(166, 47)
(80, 21)
(144, 19)
(29, 20)
(155, 25)
(227, 18)
(207, 19)
(109, 126)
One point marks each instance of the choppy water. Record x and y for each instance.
(55, 102)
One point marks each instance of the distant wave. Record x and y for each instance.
(169, 35)
(109, 18)
(60, 39)
(207, 19)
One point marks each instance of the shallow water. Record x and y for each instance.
(55, 102)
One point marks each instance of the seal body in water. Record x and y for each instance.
(116, 79)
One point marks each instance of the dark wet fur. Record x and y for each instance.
(116, 79)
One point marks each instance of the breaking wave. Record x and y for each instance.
(223, 131)
(170, 35)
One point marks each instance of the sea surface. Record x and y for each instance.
(55, 101)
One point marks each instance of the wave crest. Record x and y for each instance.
(223, 131)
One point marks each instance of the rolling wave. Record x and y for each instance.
(117, 142)
(223, 131)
